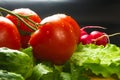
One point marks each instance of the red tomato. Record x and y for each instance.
(74, 25)
(21, 26)
(56, 39)
(9, 35)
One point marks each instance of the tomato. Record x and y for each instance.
(56, 39)
(74, 25)
(9, 35)
(23, 29)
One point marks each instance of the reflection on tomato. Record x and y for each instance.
(9, 35)
(23, 29)
(56, 39)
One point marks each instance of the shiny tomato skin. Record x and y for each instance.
(76, 27)
(54, 41)
(9, 35)
(21, 26)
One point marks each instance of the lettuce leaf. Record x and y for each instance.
(99, 60)
(88, 60)
(41, 70)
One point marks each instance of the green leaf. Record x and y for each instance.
(78, 72)
(55, 75)
(5, 75)
(39, 70)
(28, 51)
(65, 76)
(100, 60)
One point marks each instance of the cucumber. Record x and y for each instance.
(5, 75)
(16, 61)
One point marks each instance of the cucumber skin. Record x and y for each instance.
(4, 75)
(16, 61)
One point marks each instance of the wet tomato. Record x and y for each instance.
(24, 30)
(9, 35)
(56, 39)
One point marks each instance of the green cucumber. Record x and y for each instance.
(5, 75)
(16, 61)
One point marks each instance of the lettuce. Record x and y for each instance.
(98, 60)
(87, 62)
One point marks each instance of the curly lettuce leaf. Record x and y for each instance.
(39, 70)
(88, 60)
(54, 72)
(100, 60)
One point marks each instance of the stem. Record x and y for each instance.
(114, 34)
(93, 27)
(10, 12)
(31, 21)
(1, 14)
(106, 36)
(26, 17)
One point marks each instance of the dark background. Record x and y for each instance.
(104, 13)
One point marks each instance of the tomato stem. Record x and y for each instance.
(1, 14)
(31, 21)
(18, 16)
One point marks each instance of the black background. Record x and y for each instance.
(104, 13)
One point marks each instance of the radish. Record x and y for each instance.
(95, 37)
(85, 38)
(99, 38)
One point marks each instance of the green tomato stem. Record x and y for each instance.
(18, 16)
(1, 14)
(27, 18)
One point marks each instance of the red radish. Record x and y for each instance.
(84, 36)
(99, 38)
(86, 39)
(82, 32)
